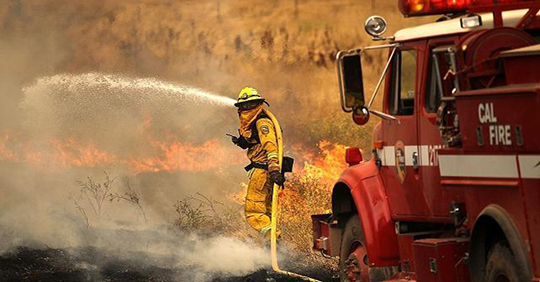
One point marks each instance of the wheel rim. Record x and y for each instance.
(356, 268)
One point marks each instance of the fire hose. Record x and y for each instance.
(275, 194)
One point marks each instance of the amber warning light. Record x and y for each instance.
(410, 8)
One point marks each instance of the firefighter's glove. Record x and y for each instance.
(277, 178)
(240, 142)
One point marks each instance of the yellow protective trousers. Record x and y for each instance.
(259, 200)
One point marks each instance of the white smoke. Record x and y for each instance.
(109, 110)
(194, 257)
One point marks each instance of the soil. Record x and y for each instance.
(90, 264)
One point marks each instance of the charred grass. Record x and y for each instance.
(91, 264)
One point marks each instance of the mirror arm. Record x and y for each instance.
(384, 46)
(382, 78)
(385, 116)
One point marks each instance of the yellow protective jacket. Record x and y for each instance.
(264, 148)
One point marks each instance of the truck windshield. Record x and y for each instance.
(403, 84)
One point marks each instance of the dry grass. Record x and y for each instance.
(303, 196)
(94, 198)
(306, 193)
(205, 215)
(285, 48)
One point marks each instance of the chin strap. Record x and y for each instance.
(275, 194)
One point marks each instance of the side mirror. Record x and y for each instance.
(360, 115)
(353, 156)
(351, 84)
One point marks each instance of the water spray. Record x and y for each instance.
(124, 91)
(80, 83)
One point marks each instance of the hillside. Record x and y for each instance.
(285, 48)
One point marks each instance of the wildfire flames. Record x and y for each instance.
(179, 156)
(327, 163)
(72, 154)
(58, 154)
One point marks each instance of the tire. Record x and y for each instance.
(352, 239)
(501, 265)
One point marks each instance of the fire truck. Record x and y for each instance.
(452, 189)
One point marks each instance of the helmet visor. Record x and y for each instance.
(249, 105)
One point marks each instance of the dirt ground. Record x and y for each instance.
(90, 264)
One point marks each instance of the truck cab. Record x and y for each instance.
(452, 190)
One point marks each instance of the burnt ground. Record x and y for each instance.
(90, 264)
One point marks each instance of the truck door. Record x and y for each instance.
(440, 83)
(400, 152)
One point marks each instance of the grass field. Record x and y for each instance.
(284, 48)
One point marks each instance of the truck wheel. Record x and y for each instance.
(501, 265)
(353, 261)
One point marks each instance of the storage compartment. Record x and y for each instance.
(405, 242)
(326, 234)
(520, 65)
(441, 260)
(502, 119)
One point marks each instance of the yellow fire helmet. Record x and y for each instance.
(248, 94)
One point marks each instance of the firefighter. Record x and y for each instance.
(258, 137)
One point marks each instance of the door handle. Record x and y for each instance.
(415, 160)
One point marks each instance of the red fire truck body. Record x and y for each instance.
(452, 192)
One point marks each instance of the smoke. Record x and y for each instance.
(49, 116)
(36, 212)
(188, 256)
(227, 255)
(74, 126)
(62, 120)
(89, 86)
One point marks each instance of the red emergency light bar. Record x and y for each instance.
(411, 8)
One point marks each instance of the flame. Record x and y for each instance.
(5, 153)
(54, 154)
(72, 154)
(171, 156)
(184, 157)
(309, 192)
(328, 163)
(323, 165)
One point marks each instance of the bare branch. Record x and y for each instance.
(199, 212)
(80, 209)
(130, 196)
